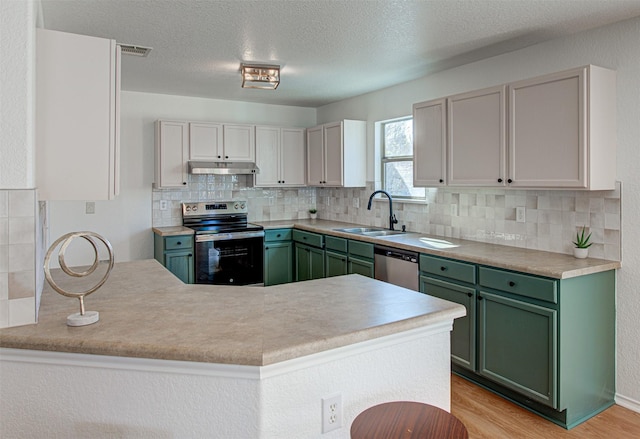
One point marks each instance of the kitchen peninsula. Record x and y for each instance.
(173, 360)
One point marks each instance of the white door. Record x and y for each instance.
(429, 143)
(268, 156)
(547, 146)
(477, 138)
(239, 143)
(292, 157)
(205, 141)
(172, 154)
(333, 144)
(315, 156)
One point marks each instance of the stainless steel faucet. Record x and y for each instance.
(392, 217)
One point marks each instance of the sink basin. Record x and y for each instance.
(370, 231)
(436, 244)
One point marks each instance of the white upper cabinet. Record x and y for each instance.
(336, 154)
(280, 157)
(77, 116)
(205, 141)
(554, 131)
(217, 142)
(563, 130)
(171, 154)
(476, 145)
(429, 143)
(239, 143)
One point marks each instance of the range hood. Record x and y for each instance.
(223, 168)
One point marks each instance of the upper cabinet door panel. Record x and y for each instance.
(268, 156)
(293, 157)
(429, 143)
(171, 154)
(315, 156)
(239, 143)
(205, 141)
(333, 144)
(547, 145)
(77, 118)
(476, 143)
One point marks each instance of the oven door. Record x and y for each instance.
(230, 258)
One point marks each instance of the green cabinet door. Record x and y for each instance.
(335, 263)
(517, 346)
(180, 263)
(361, 266)
(309, 262)
(278, 263)
(463, 335)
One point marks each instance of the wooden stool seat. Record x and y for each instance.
(407, 420)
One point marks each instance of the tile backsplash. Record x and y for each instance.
(17, 257)
(552, 217)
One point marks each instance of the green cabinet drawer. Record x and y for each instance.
(455, 270)
(308, 238)
(178, 242)
(359, 248)
(277, 235)
(336, 244)
(521, 284)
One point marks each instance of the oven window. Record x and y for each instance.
(232, 262)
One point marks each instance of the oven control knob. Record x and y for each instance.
(236, 206)
(194, 208)
(242, 206)
(188, 208)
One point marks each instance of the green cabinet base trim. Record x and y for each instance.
(557, 417)
(175, 252)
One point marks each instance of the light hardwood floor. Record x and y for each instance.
(488, 416)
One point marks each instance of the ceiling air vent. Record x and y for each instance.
(128, 49)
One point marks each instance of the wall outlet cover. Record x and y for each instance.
(331, 413)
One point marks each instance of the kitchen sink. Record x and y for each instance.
(370, 231)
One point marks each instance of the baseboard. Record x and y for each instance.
(627, 403)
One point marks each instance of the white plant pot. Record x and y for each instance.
(580, 253)
(313, 215)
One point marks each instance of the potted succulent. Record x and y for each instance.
(582, 244)
(313, 213)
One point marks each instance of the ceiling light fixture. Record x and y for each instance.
(262, 76)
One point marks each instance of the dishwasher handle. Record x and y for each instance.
(396, 254)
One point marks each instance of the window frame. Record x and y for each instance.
(399, 158)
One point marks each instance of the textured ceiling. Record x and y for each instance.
(328, 49)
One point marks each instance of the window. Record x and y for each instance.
(397, 160)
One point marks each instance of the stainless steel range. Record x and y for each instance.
(229, 249)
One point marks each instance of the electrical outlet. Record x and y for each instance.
(331, 413)
(90, 207)
(520, 214)
(163, 204)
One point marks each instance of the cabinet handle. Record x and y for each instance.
(443, 268)
(479, 297)
(499, 180)
(278, 235)
(509, 181)
(226, 156)
(219, 156)
(189, 255)
(178, 243)
(441, 181)
(470, 294)
(512, 284)
(282, 181)
(184, 182)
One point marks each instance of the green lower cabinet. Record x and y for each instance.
(517, 346)
(463, 335)
(180, 263)
(175, 252)
(361, 266)
(278, 263)
(309, 262)
(335, 263)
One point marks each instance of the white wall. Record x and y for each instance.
(126, 221)
(17, 94)
(616, 47)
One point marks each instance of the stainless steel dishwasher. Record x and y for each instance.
(398, 267)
